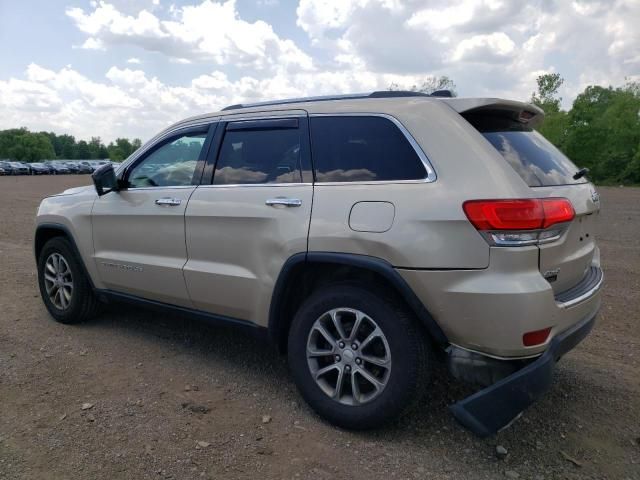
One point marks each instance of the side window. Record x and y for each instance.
(259, 155)
(361, 148)
(171, 165)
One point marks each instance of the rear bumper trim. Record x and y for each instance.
(587, 287)
(495, 407)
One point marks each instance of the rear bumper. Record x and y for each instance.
(495, 407)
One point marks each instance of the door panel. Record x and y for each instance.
(253, 215)
(139, 245)
(238, 244)
(139, 231)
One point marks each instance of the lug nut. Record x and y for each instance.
(341, 344)
(338, 358)
(348, 368)
(358, 361)
(354, 346)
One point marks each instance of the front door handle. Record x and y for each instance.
(283, 201)
(168, 202)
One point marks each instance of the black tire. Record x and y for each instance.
(83, 303)
(407, 344)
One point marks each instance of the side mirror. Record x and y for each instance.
(104, 179)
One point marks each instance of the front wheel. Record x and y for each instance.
(64, 286)
(357, 357)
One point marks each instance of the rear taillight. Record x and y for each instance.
(520, 221)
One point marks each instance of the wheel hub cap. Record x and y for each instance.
(58, 281)
(348, 356)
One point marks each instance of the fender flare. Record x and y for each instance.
(64, 230)
(373, 264)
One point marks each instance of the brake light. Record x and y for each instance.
(505, 220)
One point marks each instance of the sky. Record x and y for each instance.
(129, 68)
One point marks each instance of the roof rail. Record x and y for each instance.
(349, 96)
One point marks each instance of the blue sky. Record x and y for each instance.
(130, 67)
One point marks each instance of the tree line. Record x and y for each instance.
(601, 131)
(24, 146)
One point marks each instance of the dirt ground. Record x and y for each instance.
(176, 399)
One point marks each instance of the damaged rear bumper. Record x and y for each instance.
(495, 407)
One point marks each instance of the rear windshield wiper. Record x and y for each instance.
(580, 173)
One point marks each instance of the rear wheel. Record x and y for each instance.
(357, 357)
(64, 287)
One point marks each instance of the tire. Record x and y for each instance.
(406, 360)
(81, 304)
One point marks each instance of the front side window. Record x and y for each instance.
(171, 165)
(362, 148)
(255, 156)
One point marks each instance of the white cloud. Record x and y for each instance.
(209, 31)
(134, 61)
(484, 48)
(93, 44)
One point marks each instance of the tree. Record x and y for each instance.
(83, 152)
(547, 95)
(429, 85)
(24, 146)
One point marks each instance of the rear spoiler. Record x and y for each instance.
(523, 112)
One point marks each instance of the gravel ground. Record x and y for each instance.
(135, 394)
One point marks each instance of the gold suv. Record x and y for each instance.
(366, 235)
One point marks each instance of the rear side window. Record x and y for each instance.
(261, 155)
(538, 162)
(361, 148)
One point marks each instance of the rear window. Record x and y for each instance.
(362, 148)
(538, 162)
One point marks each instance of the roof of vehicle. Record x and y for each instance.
(374, 102)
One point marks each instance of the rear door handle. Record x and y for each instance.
(168, 202)
(285, 202)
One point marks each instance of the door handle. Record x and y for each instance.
(285, 202)
(168, 202)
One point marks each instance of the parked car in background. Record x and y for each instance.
(2, 171)
(40, 169)
(20, 168)
(72, 166)
(84, 168)
(88, 165)
(57, 168)
(7, 167)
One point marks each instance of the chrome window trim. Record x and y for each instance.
(230, 185)
(162, 136)
(431, 173)
(180, 187)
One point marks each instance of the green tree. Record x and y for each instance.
(83, 151)
(24, 146)
(547, 95)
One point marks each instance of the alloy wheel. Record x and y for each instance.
(58, 281)
(348, 356)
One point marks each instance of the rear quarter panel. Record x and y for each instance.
(430, 229)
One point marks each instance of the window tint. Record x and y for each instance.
(360, 148)
(171, 165)
(259, 156)
(538, 162)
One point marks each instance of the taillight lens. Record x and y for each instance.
(506, 219)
